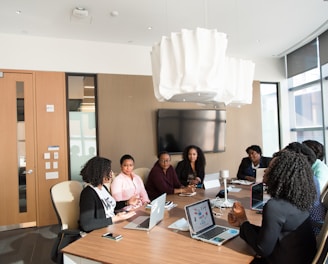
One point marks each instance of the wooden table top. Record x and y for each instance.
(165, 245)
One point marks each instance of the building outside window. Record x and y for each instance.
(270, 118)
(307, 74)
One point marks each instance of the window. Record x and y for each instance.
(270, 120)
(306, 88)
(82, 127)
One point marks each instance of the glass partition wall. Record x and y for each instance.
(82, 124)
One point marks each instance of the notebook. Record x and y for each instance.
(257, 201)
(156, 215)
(259, 174)
(211, 180)
(202, 225)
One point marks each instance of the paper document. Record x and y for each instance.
(242, 182)
(180, 224)
(187, 194)
(233, 189)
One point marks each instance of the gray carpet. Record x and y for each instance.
(28, 245)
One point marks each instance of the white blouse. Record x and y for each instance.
(107, 200)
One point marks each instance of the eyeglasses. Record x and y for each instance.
(164, 161)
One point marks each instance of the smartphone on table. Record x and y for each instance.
(112, 236)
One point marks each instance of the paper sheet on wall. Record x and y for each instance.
(52, 175)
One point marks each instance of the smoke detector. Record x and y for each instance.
(80, 12)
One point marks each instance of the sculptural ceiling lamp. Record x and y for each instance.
(238, 82)
(192, 66)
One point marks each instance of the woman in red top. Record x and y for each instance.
(163, 178)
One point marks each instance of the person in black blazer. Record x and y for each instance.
(248, 165)
(97, 206)
(191, 169)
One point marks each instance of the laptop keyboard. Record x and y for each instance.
(217, 230)
(144, 224)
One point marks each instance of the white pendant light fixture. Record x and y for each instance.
(238, 82)
(191, 66)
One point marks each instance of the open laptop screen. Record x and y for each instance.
(257, 196)
(200, 216)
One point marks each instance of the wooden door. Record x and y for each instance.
(17, 155)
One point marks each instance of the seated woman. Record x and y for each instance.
(285, 235)
(191, 169)
(96, 204)
(163, 178)
(318, 210)
(128, 187)
(248, 165)
(319, 167)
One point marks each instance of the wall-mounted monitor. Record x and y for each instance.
(178, 128)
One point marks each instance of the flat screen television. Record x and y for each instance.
(178, 128)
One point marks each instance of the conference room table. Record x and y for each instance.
(163, 244)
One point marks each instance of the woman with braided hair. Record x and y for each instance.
(285, 235)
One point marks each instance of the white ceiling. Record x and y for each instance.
(255, 28)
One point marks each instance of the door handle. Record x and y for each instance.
(28, 172)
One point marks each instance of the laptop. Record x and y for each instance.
(156, 215)
(257, 200)
(202, 225)
(259, 174)
(211, 180)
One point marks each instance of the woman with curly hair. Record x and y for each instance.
(285, 235)
(191, 169)
(317, 210)
(96, 204)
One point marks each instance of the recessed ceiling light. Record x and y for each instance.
(80, 12)
(114, 13)
(18, 12)
(150, 28)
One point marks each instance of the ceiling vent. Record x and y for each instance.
(80, 12)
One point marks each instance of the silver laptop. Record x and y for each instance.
(156, 215)
(202, 224)
(211, 180)
(259, 174)
(257, 197)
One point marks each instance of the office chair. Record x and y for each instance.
(65, 197)
(321, 256)
(143, 173)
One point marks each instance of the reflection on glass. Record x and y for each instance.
(21, 146)
(269, 113)
(324, 79)
(308, 106)
(82, 122)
